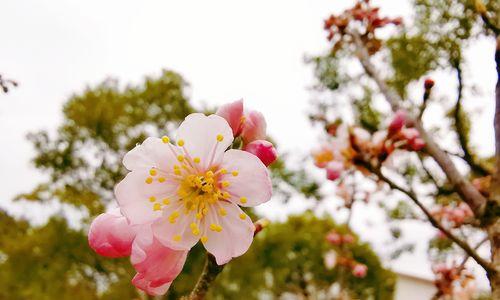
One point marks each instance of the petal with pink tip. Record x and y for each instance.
(254, 127)
(133, 195)
(236, 235)
(110, 235)
(155, 263)
(141, 283)
(200, 136)
(153, 152)
(176, 233)
(233, 113)
(252, 184)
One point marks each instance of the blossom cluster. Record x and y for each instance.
(340, 255)
(452, 215)
(177, 194)
(353, 147)
(453, 281)
(362, 14)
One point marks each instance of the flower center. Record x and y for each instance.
(198, 191)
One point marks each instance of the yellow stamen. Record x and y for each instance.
(213, 227)
(180, 143)
(161, 179)
(235, 173)
(153, 172)
(223, 171)
(204, 239)
(225, 184)
(199, 216)
(165, 139)
(177, 238)
(152, 199)
(243, 216)
(196, 160)
(149, 180)
(180, 158)
(195, 231)
(243, 200)
(166, 201)
(177, 172)
(157, 206)
(220, 138)
(222, 212)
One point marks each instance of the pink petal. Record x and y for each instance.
(141, 283)
(254, 127)
(398, 121)
(252, 185)
(153, 152)
(133, 195)
(236, 235)
(154, 262)
(264, 150)
(233, 113)
(199, 134)
(168, 233)
(334, 169)
(110, 235)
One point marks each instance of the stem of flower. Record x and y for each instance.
(208, 275)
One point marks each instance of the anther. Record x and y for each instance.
(225, 184)
(166, 201)
(243, 216)
(180, 158)
(161, 179)
(196, 160)
(153, 172)
(177, 238)
(149, 180)
(235, 173)
(222, 212)
(157, 206)
(204, 239)
(165, 139)
(220, 138)
(243, 200)
(152, 199)
(180, 143)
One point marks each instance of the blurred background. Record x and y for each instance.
(96, 77)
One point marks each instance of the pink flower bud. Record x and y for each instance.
(398, 121)
(334, 169)
(254, 127)
(417, 144)
(264, 150)
(110, 235)
(359, 270)
(428, 84)
(410, 134)
(347, 239)
(233, 113)
(334, 238)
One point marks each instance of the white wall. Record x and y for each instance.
(413, 288)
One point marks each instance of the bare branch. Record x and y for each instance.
(461, 130)
(462, 244)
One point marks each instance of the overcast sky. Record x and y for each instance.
(226, 50)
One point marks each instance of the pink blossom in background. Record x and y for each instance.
(192, 191)
(110, 235)
(398, 121)
(249, 125)
(330, 259)
(334, 169)
(264, 150)
(359, 270)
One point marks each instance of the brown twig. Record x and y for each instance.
(462, 244)
(460, 127)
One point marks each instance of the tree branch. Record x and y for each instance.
(208, 275)
(463, 187)
(462, 244)
(461, 130)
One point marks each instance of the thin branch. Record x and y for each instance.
(481, 9)
(461, 130)
(208, 275)
(462, 244)
(466, 258)
(464, 188)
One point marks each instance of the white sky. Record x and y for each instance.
(225, 49)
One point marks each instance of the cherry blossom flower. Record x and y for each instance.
(192, 190)
(110, 235)
(264, 150)
(359, 270)
(398, 121)
(334, 169)
(250, 126)
(330, 259)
